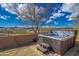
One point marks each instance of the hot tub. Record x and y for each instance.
(60, 41)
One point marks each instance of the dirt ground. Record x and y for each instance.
(32, 51)
(19, 51)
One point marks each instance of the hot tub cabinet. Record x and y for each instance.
(59, 45)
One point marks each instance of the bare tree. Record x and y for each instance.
(28, 12)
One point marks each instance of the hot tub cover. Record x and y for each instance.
(58, 35)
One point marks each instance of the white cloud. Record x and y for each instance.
(45, 26)
(56, 15)
(48, 21)
(59, 11)
(55, 22)
(9, 7)
(67, 7)
(3, 17)
(70, 19)
(68, 16)
(23, 10)
(72, 8)
(43, 19)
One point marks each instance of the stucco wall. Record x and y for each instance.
(13, 41)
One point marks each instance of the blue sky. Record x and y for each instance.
(57, 18)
